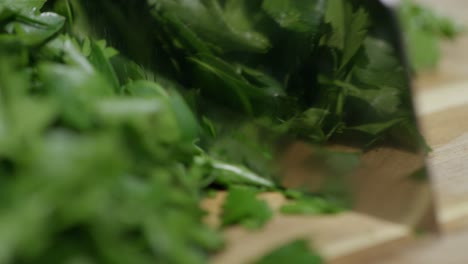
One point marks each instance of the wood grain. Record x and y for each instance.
(334, 236)
(447, 249)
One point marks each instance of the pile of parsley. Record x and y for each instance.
(107, 150)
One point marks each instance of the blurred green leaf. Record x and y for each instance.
(349, 28)
(300, 16)
(424, 29)
(34, 29)
(242, 207)
(295, 252)
(307, 206)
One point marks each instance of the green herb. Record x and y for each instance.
(420, 175)
(297, 252)
(91, 170)
(425, 29)
(315, 205)
(117, 117)
(243, 207)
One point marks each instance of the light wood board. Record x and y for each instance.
(334, 236)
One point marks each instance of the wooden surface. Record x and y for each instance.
(352, 238)
(336, 236)
(448, 249)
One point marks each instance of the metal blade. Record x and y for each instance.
(391, 180)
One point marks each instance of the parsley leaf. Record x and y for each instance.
(349, 28)
(300, 16)
(310, 206)
(295, 252)
(425, 29)
(23, 5)
(243, 207)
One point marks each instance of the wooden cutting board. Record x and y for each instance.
(336, 237)
(442, 102)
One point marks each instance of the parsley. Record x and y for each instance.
(315, 205)
(118, 117)
(297, 252)
(242, 207)
(425, 29)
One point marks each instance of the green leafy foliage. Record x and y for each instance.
(117, 117)
(315, 205)
(299, 16)
(243, 207)
(87, 170)
(227, 174)
(349, 29)
(228, 25)
(295, 252)
(23, 5)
